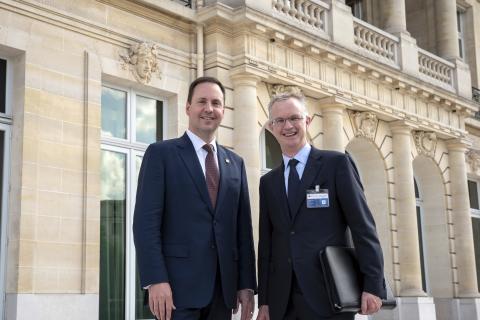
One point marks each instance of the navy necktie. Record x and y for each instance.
(293, 183)
(212, 175)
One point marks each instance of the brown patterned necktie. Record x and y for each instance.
(211, 174)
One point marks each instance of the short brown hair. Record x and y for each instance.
(197, 81)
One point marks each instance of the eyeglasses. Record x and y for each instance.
(280, 122)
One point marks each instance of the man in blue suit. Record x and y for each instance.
(192, 224)
(306, 204)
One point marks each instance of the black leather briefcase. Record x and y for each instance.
(344, 280)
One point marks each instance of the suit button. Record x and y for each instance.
(289, 261)
(212, 246)
(292, 232)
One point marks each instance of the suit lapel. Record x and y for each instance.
(225, 167)
(312, 169)
(279, 180)
(190, 160)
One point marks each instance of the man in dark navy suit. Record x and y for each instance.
(307, 204)
(192, 224)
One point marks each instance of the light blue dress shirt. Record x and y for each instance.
(302, 157)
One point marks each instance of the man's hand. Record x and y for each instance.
(160, 300)
(370, 303)
(245, 298)
(263, 313)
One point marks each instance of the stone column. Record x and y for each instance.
(393, 16)
(246, 133)
(446, 27)
(405, 208)
(332, 112)
(462, 221)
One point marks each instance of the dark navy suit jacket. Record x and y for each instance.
(180, 238)
(294, 243)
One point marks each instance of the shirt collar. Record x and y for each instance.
(198, 143)
(301, 156)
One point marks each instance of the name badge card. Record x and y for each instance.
(317, 198)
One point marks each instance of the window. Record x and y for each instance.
(461, 33)
(356, 6)
(474, 209)
(421, 241)
(272, 154)
(3, 85)
(130, 121)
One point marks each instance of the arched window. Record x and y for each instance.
(421, 240)
(271, 152)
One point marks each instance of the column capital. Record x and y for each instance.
(458, 144)
(334, 104)
(247, 75)
(402, 127)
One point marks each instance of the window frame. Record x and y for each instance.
(461, 33)
(129, 141)
(4, 212)
(131, 149)
(7, 116)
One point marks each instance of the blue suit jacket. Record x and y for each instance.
(294, 243)
(179, 237)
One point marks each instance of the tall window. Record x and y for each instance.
(475, 211)
(461, 33)
(421, 240)
(272, 154)
(130, 121)
(356, 6)
(5, 129)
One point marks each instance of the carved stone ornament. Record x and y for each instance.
(276, 89)
(365, 124)
(473, 159)
(425, 142)
(142, 60)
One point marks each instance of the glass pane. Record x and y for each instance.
(3, 84)
(273, 153)
(114, 113)
(149, 120)
(420, 244)
(473, 194)
(417, 194)
(112, 236)
(476, 242)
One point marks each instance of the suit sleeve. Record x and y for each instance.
(362, 226)
(264, 248)
(147, 219)
(246, 261)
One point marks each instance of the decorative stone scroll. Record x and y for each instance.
(473, 159)
(276, 89)
(365, 124)
(425, 142)
(142, 60)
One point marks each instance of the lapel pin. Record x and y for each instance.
(227, 161)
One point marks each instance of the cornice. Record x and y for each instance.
(93, 30)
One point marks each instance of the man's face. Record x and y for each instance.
(205, 112)
(291, 133)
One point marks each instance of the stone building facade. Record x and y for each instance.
(86, 85)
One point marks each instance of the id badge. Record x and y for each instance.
(317, 198)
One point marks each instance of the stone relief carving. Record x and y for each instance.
(142, 60)
(365, 124)
(425, 142)
(473, 159)
(280, 88)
